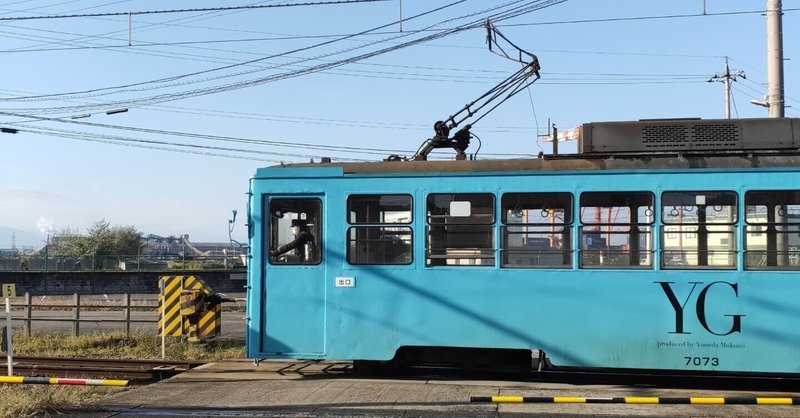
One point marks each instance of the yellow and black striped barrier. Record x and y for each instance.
(639, 400)
(207, 322)
(62, 381)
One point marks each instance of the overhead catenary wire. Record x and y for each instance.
(634, 18)
(58, 4)
(550, 80)
(206, 136)
(305, 120)
(172, 146)
(519, 10)
(144, 28)
(593, 82)
(243, 63)
(417, 76)
(284, 37)
(503, 15)
(758, 88)
(193, 10)
(205, 149)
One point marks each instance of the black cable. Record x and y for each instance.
(28, 98)
(480, 143)
(500, 16)
(181, 76)
(404, 76)
(195, 10)
(620, 19)
(144, 27)
(62, 3)
(163, 145)
(335, 148)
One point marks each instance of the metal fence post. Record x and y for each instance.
(127, 313)
(76, 326)
(28, 314)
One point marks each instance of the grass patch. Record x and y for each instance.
(33, 400)
(38, 400)
(117, 345)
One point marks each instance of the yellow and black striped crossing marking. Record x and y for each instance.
(169, 308)
(639, 400)
(61, 381)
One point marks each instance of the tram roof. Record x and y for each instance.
(628, 145)
(564, 162)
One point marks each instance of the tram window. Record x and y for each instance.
(376, 238)
(294, 231)
(698, 229)
(460, 229)
(536, 230)
(772, 233)
(379, 209)
(616, 229)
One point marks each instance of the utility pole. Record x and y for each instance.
(401, 15)
(555, 140)
(775, 59)
(726, 78)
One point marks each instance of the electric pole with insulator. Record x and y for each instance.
(726, 78)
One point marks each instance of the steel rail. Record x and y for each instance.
(77, 367)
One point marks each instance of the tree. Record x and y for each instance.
(100, 239)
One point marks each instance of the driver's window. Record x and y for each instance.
(295, 231)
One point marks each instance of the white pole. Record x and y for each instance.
(775, 59)
(401, 15)
(9, 353)
(163, 322)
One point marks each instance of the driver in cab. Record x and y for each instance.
(303, 242)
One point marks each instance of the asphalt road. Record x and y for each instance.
(238, 388)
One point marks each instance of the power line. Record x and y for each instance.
(129, 142)
(760, 91)
(195, 10)
(634, 18)
(171, 146)
(204, 150)
(498, 16)
(284, 37)
(206, 136)
(145, 26)
(759, 95)
(181, 76)
(297, 119)
(62, 3)
(280, 37)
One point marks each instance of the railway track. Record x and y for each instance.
(148, 371)
(137, 371)
(580, 376)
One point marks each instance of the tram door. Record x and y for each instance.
(294, 281)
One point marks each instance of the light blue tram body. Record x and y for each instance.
(734, 317)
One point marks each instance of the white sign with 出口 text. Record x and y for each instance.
(345, 282)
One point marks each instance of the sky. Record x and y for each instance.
(212, 95)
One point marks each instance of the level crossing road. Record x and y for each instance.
(326, 389)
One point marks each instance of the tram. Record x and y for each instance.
(663, 244)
